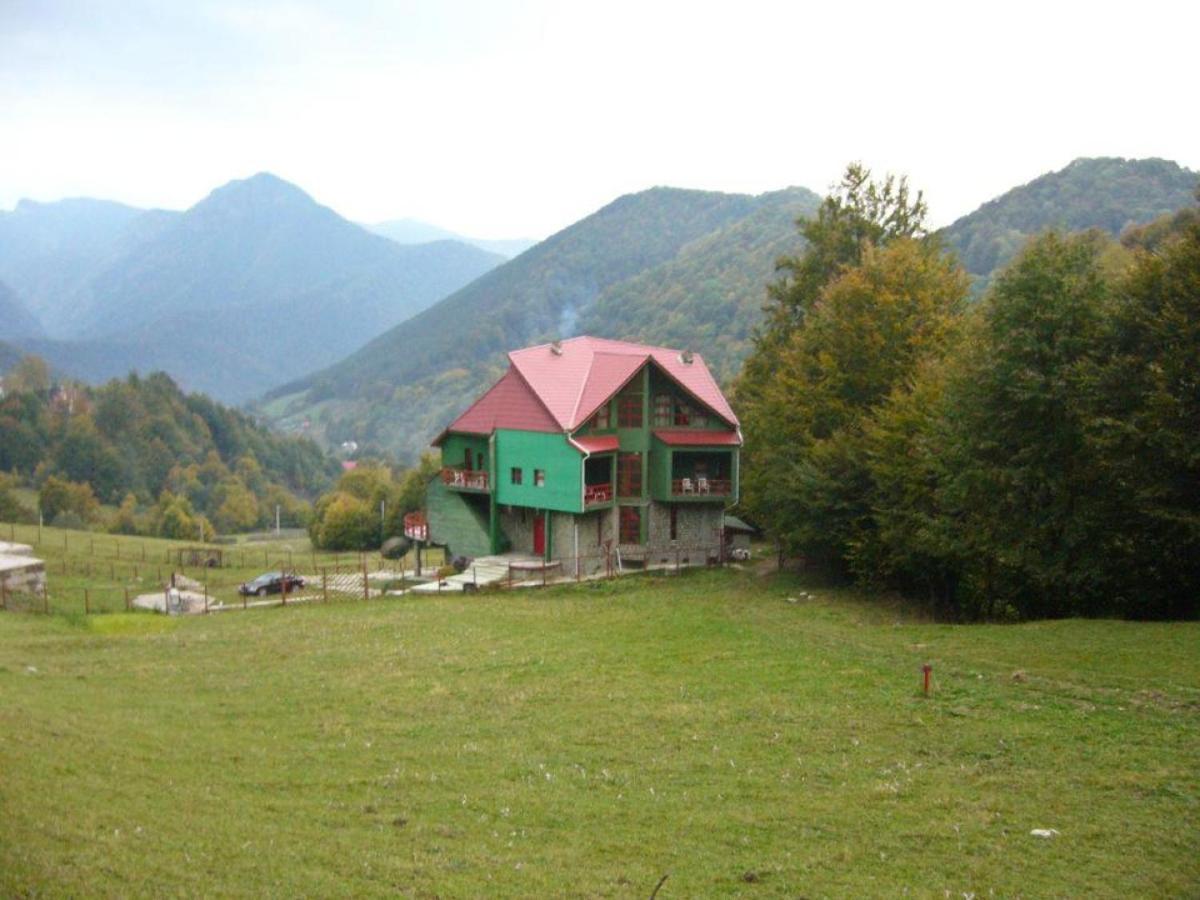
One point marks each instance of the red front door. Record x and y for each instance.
(539, 534)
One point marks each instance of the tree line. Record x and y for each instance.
(1033, 453)
(162, 462)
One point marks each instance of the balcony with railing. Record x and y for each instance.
(701, 486)
(465, 479)
(596, 494)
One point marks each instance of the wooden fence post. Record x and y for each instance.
(127, 605)
(87, 606)
(45, 599)
(206, 596)
(366, 584)
(3, 593)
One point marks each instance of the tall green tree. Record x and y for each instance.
(1022, 480)
(1145, 426)
(870, 329)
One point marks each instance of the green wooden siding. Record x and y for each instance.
(457, 521)
(530, 450)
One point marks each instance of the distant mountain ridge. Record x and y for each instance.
(16, 321)
(414, 231)
(254, 285)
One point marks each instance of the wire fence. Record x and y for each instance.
(85, 573)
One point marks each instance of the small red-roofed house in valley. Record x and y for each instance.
(587, 450)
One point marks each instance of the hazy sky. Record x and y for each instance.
(516, 119)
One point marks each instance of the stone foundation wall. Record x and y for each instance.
(22, 575)
(698, 529)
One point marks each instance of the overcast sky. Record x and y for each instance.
(516, 119)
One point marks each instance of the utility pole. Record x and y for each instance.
(276, 520)
(382, 519)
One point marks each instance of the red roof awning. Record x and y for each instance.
(599, 443)
(699, 438)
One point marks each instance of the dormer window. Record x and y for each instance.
(683, 414)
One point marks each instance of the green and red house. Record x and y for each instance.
(585, 448)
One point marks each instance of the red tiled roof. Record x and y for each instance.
(699, 438)
(573, 383)
(597, 443)
(509, 403)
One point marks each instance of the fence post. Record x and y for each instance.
(87, 606)
(206, 596)
(127, 606)
(45, 599)
(283, 586)
(324, 585)
(366, 584)
(3, 593)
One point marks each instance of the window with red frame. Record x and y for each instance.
(683, 414)
(629, 409)
(629, 474)
(631, 525)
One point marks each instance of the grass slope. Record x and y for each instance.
(586, 741)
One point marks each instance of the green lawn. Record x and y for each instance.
(585, 741)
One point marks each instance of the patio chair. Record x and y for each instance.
(686, 485)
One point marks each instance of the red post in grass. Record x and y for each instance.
(925, 670)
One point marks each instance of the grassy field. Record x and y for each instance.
(111, 567)
(586, 741)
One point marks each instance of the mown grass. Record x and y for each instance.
(586, 741)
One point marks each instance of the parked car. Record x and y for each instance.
(272, 583)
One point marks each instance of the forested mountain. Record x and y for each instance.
(414, 231)
(634, 270)
(143, 437)
(710, 296)
(402, 387)
(15, 320)
(1106, 193)
(252, 286)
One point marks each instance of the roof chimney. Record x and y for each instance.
(686, 357)
(556, 348)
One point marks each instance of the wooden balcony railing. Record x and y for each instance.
(597, 493)
(415, 526)
(700, 487)
(467, 479)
